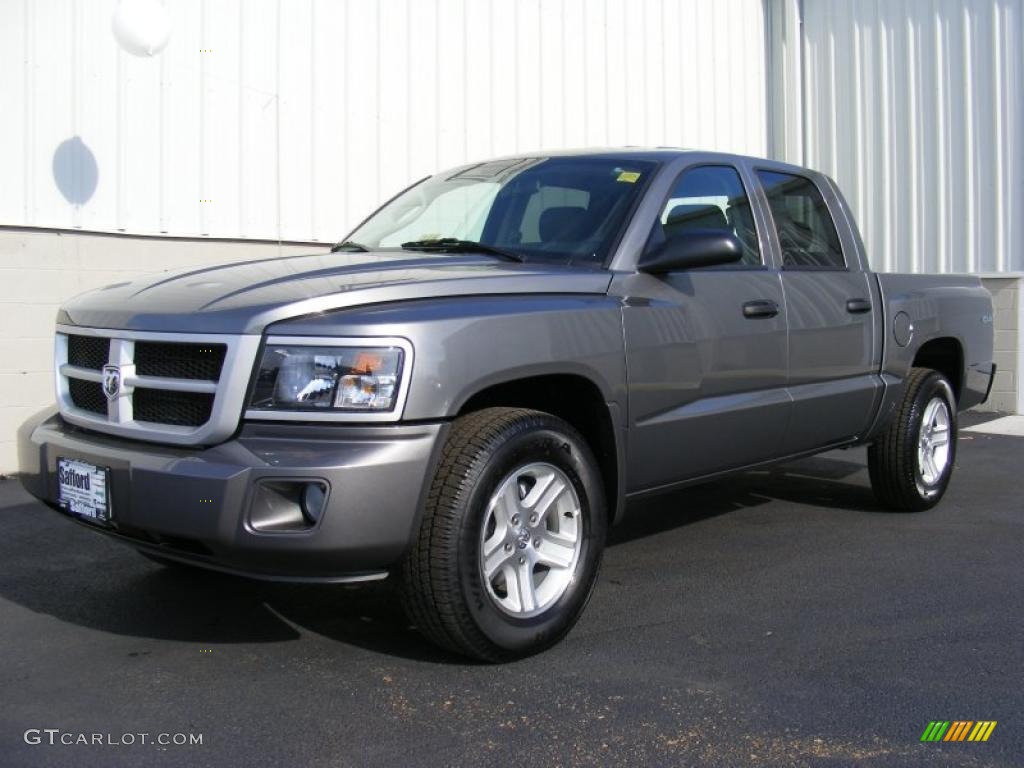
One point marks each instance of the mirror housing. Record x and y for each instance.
(692, 248)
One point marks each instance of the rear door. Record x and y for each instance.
(705, 348)
(831, 309)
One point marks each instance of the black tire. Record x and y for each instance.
(893, 465)
(443, 588)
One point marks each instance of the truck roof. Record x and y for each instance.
(645, 153)
(656, 154)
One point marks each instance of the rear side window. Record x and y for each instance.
(712, 197)
(806, 232)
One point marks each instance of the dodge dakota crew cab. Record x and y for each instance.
(466, 392)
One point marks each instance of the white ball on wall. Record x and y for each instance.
(141, 27)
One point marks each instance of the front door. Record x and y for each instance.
(705, 348)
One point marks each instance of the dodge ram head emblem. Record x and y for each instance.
(111, 381)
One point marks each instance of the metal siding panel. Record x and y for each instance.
(529, 115)
(51, 120)
(754, 108)
(182, 146)
(985, 118)
(361, 172)
(138, 145)
(95, 109)
(456, 119)
(15, 130)
(913, 108)
(1012, 161)
(617, 73)
(478, 97)
(595, 113)
(219, 60)
(421, 122)
(966, 210)
(331, 111)
(705, 129)
(689, 74)
(294, 119)
(640, 90)
(551, 74)
(673, 66)
(257, 120)
(574, 46)
(784, 78)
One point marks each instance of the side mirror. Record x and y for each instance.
(692, 248)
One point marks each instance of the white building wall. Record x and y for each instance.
(39, 270)
(1007, 394)
(293, 118)
(916, 108)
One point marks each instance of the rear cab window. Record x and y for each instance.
(807, 234)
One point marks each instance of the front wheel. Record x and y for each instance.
(511, 538)
(911, 463)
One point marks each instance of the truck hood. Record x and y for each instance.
(246, 297)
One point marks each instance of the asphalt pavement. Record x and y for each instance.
(775, 618)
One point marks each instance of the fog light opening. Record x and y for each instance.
(287, 506)
(314, 498)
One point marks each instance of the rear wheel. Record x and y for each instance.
(511, 538)
(911, 463)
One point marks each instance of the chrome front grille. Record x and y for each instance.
(164, 387)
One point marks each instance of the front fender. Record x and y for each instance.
(464, 345)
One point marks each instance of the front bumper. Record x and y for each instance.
(193, 504)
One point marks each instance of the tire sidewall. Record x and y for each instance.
(540, 439)
(935, 384)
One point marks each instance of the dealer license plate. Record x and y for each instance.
(83, 489)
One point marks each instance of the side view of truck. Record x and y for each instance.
(467, 391)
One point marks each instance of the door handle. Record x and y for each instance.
(760, 308)
(857, 306)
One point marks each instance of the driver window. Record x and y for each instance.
(712, 197)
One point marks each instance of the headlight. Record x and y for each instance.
(304, 378)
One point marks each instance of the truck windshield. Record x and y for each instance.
(553, 209)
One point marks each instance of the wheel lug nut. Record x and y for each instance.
(508, 547)
(515, 519)
(522, 560)
(536, 543)
(533, 518)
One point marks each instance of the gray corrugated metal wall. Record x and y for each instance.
(915, 107)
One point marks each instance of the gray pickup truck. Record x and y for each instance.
(467, 391)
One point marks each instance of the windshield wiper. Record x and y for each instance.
(349, 245)
(453, 244)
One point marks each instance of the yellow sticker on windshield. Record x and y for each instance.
(628, 176)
